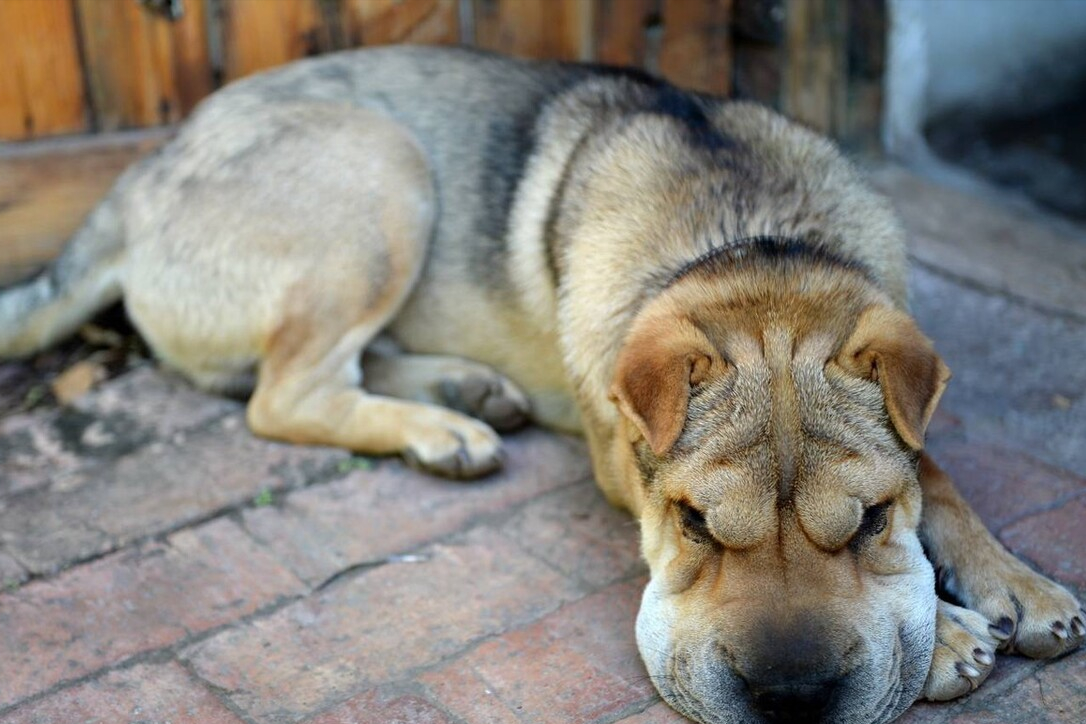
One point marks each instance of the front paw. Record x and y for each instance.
(1029, 614)
(454, 446)
(964, 653)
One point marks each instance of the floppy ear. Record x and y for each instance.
(659, 363)
(887, 347)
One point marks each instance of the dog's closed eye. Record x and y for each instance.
(692, 522)
(873, 523)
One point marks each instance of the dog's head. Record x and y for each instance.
(773, 424)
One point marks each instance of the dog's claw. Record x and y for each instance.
(1002, 629)
(967, 671)
(982, 657)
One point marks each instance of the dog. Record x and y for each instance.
(406, 250)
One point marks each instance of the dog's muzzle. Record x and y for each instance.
(794, 672)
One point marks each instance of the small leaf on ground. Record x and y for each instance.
(264, 498)
(355, 463)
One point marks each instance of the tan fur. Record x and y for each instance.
(887, 348)
(759, 406)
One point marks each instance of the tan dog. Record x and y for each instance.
(709, 292)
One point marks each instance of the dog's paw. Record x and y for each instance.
(1028, 613)
(964, 653)
(455, 447)
(491, 398)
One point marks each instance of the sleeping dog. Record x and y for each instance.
(402, 251)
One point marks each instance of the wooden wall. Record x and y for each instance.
(87, 67)
(79, 66)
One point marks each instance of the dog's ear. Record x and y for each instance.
(659, 363)
(887, 347)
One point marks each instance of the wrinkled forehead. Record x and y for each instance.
(787, 431)
(755, 336)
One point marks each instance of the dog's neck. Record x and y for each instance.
(720, 258)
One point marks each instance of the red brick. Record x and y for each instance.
(659, 713)
(578, 665)
(375, 627)
(577, 531)
(377, 707)
(465, 691)
(158, 401)
(157, 488)
(11, 573)
(47, 448)
(1054, 540)
(1003, 484)
(373, 514)
(943, 423)
(1009, 672)
(138, 600)
(142, 694)
(1055, 695)
(926, 712)
(32, 453)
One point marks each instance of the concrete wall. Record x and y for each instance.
(977, 56)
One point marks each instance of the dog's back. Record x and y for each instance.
(474, 113)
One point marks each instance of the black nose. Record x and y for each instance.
(793, 703)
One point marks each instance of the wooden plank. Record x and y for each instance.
(757, 56)
(259, 34)
(820, 61)
(622, 28)
(192, 55)
(380, 22)
(757, 73)
(142, 69)
(46, 189)
(41, 89)
(560, 29)
(695, 52)
(814, 78)
(866, 59)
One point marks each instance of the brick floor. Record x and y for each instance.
(372, 514)
(378, 707)
(1050, 694)
(579, 664)
(11, 573)
(1004, 484)
(159, 564)
(578, 532)
(138, 600)
(142, 693)
(378, 627)
(658, 713)
(1054, 540)
(49, 447)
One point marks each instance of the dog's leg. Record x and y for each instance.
(307, 392)
(964, 653)
(1028, 613)
(469, 387)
